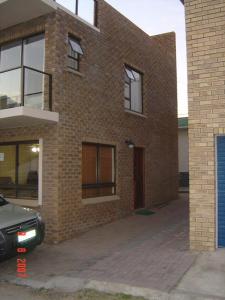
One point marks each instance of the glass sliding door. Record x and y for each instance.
(19, 163)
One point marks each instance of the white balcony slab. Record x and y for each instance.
(13, 12)
(26, 116)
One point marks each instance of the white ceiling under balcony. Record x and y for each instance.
(14, 12)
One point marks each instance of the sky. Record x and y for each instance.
(160, 16)
(154, 17)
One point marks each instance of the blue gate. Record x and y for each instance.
(221, 190)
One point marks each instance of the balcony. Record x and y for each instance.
(14, 12)
(86, 10)
(26, 98)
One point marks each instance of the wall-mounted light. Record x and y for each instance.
(35, 149)
(130, 144)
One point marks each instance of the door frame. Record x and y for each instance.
(143, 178)
(216, 189)
(216, 185)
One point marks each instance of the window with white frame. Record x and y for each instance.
(133, 95)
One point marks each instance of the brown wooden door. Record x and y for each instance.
(138, 178)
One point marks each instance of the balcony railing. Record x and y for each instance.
(85, 9)
(25, 86)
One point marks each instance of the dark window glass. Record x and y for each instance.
(133, 90)
(19, 170)
(98, 170)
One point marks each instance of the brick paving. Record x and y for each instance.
(145, 251)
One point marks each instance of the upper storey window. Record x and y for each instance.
(23, 81)
(86, 9)
(11, 55)
(27, 52)
(133, 90)
(74, 53)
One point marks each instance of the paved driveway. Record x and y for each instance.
(143, 251)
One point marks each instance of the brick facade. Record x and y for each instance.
(206, 68)
(91, 109)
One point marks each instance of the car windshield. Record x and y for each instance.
(3, 201)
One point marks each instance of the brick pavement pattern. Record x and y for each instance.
(145, 251)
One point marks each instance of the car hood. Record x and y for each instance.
(11, 214)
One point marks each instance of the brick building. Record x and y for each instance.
(205, 22)
(88, 114)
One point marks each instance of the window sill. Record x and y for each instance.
(100, 199)
(23, 202)
(75, 72)
(135, 113)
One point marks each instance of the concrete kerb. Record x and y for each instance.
(63, 284)
(73, 285)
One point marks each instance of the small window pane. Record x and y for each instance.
(73, 64)
(8, 171)
(10, 56)
(127, 91)
(73, 54)
(69, 4)
(75, 45)
(28, 171)
(86, 10)
(127, 104)
(136, 94)
(133, 90)
(130, 74)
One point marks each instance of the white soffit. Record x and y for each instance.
(25, 116)
(14, 12)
